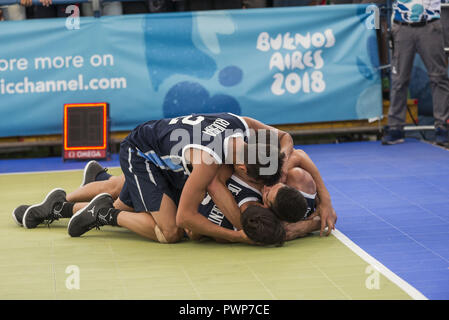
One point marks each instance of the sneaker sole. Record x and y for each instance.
(85, 172)
(80, 211)
(390, 143)
(36, 205)
(19, 223)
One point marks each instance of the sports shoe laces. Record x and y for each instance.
(53, 217)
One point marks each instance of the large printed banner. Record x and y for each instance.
(278, 65)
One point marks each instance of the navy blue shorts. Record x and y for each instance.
(145, 183)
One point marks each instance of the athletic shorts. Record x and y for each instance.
(145, 183)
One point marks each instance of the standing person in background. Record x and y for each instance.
(110, 8)
(445, 23)
(291, 3)
(248, 4)
(198, 5)
(15, 11)
(417, 28)
(49, 10)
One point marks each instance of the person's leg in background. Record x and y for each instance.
(113, 8)
(86, 9)
(14, 12)
(135, 7)
(223, 5)
(445, 23)
(180, 5)
(196, 5)
(291, 3)
(430, 46)
(404, 51)
(43, 12)
(157, 6)
(254, 4)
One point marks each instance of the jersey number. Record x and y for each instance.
(188, 120)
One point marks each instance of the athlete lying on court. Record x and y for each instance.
(258, 222)
(169, 163)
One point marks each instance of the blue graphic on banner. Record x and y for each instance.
(263, 63)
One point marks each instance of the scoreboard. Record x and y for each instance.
(86, 131)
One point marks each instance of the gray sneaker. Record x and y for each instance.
(38, 213)
(91, 170)
(18, 213)
(88, 218)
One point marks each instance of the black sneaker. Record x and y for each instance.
(91, 170)
(441, 137)
(392, 136)
(88, 218)
(38, 213)
(18, 213)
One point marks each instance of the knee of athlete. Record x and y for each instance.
(168, 235)
(116, 185)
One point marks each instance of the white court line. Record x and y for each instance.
(49, 171)
(410, 290)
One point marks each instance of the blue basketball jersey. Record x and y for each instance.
(242, 193)
(164, 142)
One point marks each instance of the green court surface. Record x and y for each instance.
(113, 263)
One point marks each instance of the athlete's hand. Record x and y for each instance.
(191, 235)
(243, 238)
(328, 218)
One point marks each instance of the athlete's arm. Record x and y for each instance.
(195, 236)
(327, 213)
(285, 140)
(301, 228)
(223, 198)
(188, 217)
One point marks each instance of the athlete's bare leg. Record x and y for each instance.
(158, 226)
(87, 192)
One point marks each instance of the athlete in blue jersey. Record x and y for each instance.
(315, 186)
(305, 178)
(168, 165)
(244, 195)
(259, 223)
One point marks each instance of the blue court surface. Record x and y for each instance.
(391, 201)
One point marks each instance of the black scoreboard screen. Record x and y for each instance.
(86, 131)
